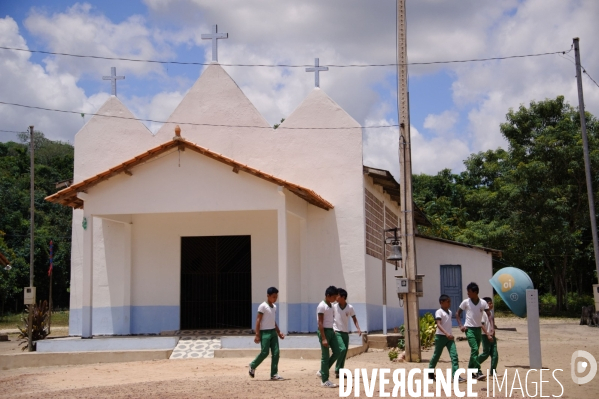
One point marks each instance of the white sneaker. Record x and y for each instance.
(251, 371)
(328, 384)
(277, 377)
(318, 374)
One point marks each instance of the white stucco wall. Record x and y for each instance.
(476, 265)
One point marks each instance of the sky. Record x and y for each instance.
(455, 109)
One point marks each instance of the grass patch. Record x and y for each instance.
(60, 318)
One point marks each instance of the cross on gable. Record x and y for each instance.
(214, 36)
(316, 69)
(113, 78)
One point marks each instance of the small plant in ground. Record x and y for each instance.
(39, 324)
(428, 327)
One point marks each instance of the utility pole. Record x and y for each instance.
(585, 149)
(408, 239)
(31, 237)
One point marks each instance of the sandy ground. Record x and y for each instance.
(220, 378)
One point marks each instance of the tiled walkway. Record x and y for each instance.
(197, 344)
(196, 347)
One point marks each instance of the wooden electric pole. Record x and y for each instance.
(585, 149)
(408, 238)
(31, 237)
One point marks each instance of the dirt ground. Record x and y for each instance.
(228, 378)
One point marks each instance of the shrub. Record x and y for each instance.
(39, 324)
(499, 305)
(393, 354)
(428, 327)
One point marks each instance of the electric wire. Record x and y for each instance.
(590, 77)
(287, 65)
(190, 123)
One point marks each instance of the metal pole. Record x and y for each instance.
(384, 283)
(408, 240)
(31, 237)
(585, 149)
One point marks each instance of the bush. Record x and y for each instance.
(39, 324)
(499, 305)
(548, 304)
(428, 327)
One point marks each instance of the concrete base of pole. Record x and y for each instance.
(385, 319)
(534, 329)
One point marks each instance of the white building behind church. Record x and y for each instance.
(188, 232)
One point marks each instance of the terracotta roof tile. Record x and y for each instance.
(68, 196)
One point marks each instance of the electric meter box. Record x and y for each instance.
(402, 285)
(29, 295)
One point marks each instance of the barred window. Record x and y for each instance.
(374, 225)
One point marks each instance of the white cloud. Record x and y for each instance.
(25, 82)
(82, 30)
(441, 123)
(381, 150)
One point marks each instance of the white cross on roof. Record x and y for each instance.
(316, 69)
(214, 36)
(114, 78)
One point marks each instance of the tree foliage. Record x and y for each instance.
(53, 163)
(529, 200)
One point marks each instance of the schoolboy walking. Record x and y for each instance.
(343, 312)
(444, 338)
(474, 308)
(489, 346)
(325, 316)
(268, 334)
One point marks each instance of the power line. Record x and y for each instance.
(585, 72)
(286, 65)
(189, 123)
(11, 131)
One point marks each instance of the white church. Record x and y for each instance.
(187, 228)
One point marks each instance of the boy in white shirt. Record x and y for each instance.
(343, 312)
(325, 316)
(268, 334)
(474, 307)
(489, 347)
(444, 338)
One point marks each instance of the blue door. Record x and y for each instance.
(451, 285)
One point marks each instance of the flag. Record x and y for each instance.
(51, 258)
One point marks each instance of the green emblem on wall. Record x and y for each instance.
(84, 223)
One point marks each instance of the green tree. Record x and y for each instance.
(53, 163)
(529, 200)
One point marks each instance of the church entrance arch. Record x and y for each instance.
(216, 282)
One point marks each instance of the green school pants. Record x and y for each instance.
(474, 338)
(490, 349)
(327, 360)
(442, 342)
(268, 340)
(343, 342)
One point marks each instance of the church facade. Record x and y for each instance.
(187, 228)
